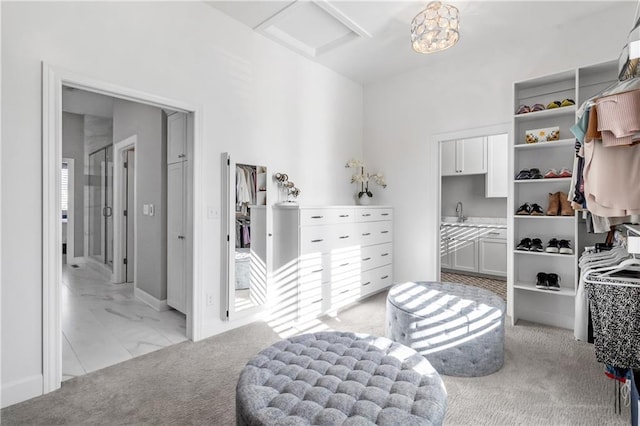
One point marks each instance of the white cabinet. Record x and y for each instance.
(492, 252)
(477, 249)
(525, 300)
(176, 137)
(497, 182)
(340, 254)
(463, 157)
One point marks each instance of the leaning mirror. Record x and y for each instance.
(245, 219)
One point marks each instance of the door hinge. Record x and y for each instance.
(125, 213)
(126, 164)
(124, 260)
(227, 314)
(227, 237)
(228, 162)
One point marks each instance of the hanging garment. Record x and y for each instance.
(619, 118)
(615, 311)
(243, 193)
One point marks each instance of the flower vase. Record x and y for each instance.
(363, 200)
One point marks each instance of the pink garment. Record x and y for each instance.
(619, 118)
(612, 179)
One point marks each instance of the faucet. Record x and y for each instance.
(461, 217)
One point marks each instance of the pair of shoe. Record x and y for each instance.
(525, 174)
(532, 209)
(559, 246)
(558, 104)
(553, 173)
(530, 244)
(559, 205)
(548, 281)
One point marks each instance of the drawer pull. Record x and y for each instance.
(317, 217)
(384, 214)
(344, 215)
(342, 237)
(384, 232)
(366, 258)
(366, 234)
(317, 270)
(366, 214)
(494, 233)
(317, 241)
(367, 283)
(344, 291)
(385, 277)
(316, 301)
(384, 254)
(345, 264)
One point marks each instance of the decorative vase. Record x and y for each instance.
(365, 200)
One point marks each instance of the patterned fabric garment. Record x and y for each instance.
(615, 312)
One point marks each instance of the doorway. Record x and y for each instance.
(100, 207)
(54, 79)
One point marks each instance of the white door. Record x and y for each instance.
(464, 254)
(176, 137)
(497, 162)
(471, 155)
(176, 282)
(129, 252)
(493, 256)
(445, 256)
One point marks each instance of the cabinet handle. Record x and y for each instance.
(366, 214)
(385, 277)
(384, 232)
(384, 254)
(317, 241)
(366, 258)
(317, 217)
(181, 155)
(345, 264)
(343, 237)
(316, 301)
(317, 270)
(366, 234)
(494, 233)
(344, 215)
(181, 237)
(367, 283)
(344, 291)
(384, 214)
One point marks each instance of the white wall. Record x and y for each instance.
(260, 102)
(73, 147)
(403, 112)
(470, 190)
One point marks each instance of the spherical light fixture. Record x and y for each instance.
(435, 28)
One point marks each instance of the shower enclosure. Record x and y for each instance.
(100, 206)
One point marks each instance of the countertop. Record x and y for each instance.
(478, 222)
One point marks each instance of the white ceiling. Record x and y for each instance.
(369, 40)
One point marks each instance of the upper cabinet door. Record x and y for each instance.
(471, 155)
(448, 165)
(176, 137)
(497, 165)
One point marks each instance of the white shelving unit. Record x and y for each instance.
(525, 301)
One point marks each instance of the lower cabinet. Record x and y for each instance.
(338, 255)
(471, 248)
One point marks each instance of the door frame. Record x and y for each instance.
(119, 231)
(53, 79)
(70, 209)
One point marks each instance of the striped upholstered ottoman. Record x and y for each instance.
(458, 328)
(337, 378)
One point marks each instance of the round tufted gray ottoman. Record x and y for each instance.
(338, 378)
(458, 328)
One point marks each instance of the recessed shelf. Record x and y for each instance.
(532, 287)
(537, 253)
(545, 113)
(547, 180)
(549, 144)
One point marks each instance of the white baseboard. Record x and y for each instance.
(21, 390)
(158, 305)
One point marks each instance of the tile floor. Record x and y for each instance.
(499, 287)
(103, 324)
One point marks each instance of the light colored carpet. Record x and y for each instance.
(548, 379)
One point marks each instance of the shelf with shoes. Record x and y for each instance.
(542, 140)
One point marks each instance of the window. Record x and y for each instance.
(64, 190)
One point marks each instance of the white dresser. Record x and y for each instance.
(331, 256)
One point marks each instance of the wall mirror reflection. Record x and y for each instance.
(245, 219)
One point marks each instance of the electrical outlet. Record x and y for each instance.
(209, 299)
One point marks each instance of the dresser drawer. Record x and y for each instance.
(376, 256)
(316, 239)
(326, 216)
(375, 280)
(373, 214)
